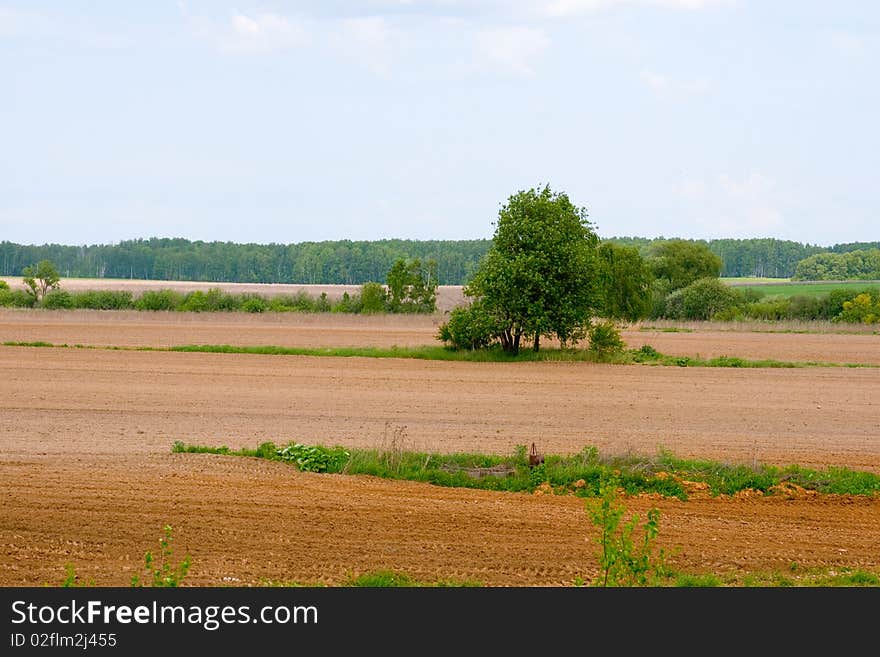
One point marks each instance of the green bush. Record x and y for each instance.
(314, 458)
(57, 299)
(605, 338)
(158, 300)
(469, 327)
(374, 298)
(103, 300)
(17, 299)
(254, 304)
(862, 309)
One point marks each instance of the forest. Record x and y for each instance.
(351, 262)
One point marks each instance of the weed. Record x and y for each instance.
(623, 562)
(162, 572)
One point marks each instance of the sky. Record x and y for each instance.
(294, 121)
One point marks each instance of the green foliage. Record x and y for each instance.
(538, 278)
(862, 309)
(103, 300)
(605, 338)
(40, 278)
(861, 264)
(3, 286)
(580, 474)
(470, 327)
(624, 282)
(680, 262)
(158, 300)
(16, 299)
(412, 286)
(391, 579)
(697, 581)
(57, 299)
(623, 560)
(374, 298)
(254, 304)
(71, 579)
(314, 458)
(701, 300)
(161, 571)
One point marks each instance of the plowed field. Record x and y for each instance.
(87, 477)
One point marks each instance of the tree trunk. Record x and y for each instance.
(537, 341)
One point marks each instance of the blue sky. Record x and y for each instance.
(302, 121)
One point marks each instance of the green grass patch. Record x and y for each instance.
(578, 474)
(796, 288)
(645, 355)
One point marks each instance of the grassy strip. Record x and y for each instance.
(795, 576)
(645, 355)
(381, 579)
(580, 474)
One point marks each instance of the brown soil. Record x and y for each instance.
(88, 477)
(133, 328)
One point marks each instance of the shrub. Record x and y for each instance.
(314, 458)
(196, 302)
(622, 562)
(254, 304)
(3, 285)
(863, 309)
(707, 296)
(605, 338)
(373, 298)
(158, 300)
(161, 571)
(469, 327)
(103, 300)
(57, 299)
(17, 299)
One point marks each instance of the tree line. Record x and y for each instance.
(352, 262)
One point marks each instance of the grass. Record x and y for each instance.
(803, 288)
(644, 355)
(381, 579)
(579, 474)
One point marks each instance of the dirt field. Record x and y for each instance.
(88, 477)
(133, 328)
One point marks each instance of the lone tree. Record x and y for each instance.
(537, 279)
(40, 279)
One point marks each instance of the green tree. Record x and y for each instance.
(624, 282)
(41, 278)
(537, 278)
(412, 286)
(678, 263)
(373, 298)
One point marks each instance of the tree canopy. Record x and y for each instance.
(537, 279)
(679, 263)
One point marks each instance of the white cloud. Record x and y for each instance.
(262, 33)
(656, 81)
(747, 206)
(751, 186)
(370, 40)
(562, 8)
(847, 43)
(665, 86)
(511, 49)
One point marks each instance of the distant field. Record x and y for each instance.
(788, 288)
(752, 280)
